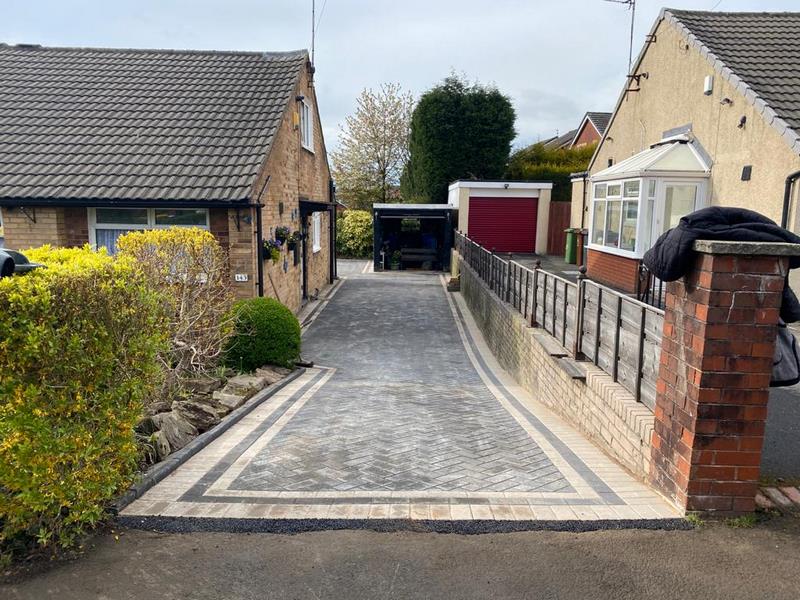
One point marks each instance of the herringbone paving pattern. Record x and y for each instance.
(366, 435)
(404, 417)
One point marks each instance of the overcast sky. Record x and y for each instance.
(556, 59)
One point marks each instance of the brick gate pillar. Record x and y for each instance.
(713, 380)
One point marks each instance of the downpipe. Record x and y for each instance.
(787, 197)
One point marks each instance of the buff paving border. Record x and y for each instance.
(782, 498)
(602, 494)
(159, 471)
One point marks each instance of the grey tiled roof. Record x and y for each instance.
(562, 141)
(599, 120)
(81, 123)
(762, 49)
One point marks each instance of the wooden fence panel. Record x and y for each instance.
(618, 333)
(559, 221)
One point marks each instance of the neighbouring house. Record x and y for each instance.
(591, 129)
(97, 142)
(710, 115)
(560, 141)
(506, 216)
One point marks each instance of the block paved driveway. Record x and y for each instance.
(406, 415)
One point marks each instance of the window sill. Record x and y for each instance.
(307, 149)
(616, 251)
(316, 249)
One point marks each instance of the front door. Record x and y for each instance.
(675, 199)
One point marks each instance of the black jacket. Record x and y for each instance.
(670, 258)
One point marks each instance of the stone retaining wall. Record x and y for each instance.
(603, 410)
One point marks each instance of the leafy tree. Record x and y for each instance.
(459, 130)
(373, 147)
(538, 163)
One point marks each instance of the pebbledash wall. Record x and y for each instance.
(603, 410)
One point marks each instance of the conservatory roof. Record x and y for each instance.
(675, 156)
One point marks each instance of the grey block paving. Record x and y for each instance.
(405, 409)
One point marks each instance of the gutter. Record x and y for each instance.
(787, 197)
(12, 202)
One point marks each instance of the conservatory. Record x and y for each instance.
(636, 200)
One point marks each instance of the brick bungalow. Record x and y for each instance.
(709, 116)
(96, 142)
(591, 129)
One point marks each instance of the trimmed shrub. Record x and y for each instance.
(79, 341)
(189, 268)
(354, 234)
(266, 333)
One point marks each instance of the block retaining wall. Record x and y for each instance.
(603, 410)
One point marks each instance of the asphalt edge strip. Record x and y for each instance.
(161, 470)
(461, 527)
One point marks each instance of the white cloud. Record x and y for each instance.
(556, 60)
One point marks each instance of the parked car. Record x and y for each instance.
(12, 262)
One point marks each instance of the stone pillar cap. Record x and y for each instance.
(747, 248)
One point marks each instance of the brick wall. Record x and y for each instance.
(75, 226)
(618, 272)
(713, 385)
(588, 135)
(603, 410)
(294, 173)
(21, 232)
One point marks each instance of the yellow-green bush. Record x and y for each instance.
(354, 234)
(189, 268)
(78, 347)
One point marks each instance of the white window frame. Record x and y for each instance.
(151, 222)
(650, 210)
(306, 126)
(621, 199)
(316, 232)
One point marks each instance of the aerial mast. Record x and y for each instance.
(631, 4)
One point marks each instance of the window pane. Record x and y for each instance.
(181, 216)
(632, 189)
(630, 218)
(124, 216)
(107, 238)
(613, 214)
(614, 190)
(598, 221)
(678, 202)
(600, 190)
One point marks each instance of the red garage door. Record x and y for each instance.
(505, 224)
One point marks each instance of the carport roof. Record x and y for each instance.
(411, 207)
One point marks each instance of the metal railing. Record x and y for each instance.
(618, 333)
(649, 288)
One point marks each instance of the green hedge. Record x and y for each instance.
(266, 333)
(354, 234)
(537, 163)
(78, 347)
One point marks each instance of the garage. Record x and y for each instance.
(412, 236)
(507, 224)
(507, 216)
